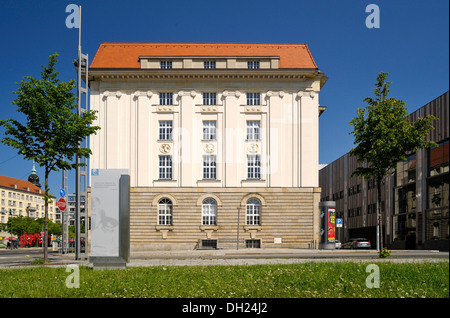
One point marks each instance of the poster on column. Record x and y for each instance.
(331, 224)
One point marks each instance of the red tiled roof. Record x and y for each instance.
(126, 55)
(22, 185)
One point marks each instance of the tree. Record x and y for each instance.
(53, 130)
(384, 136)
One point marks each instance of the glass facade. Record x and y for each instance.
(438, 192)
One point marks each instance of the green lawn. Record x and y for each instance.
(308, 280)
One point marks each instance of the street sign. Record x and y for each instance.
(338, 222)
(62, 193)
(61, 204)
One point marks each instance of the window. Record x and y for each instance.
(209, 64)
(253, 64)
(165, 210)
(253, 243)
(166, 98)
(253, 212)
(435, 230)
(166, 64)
(209, 130)
(208, 243)
(165, 130)
(253, 130)
(209, 167)
(253, 99)
(253, 167)
(165, 167)
(209, 98)
(209, 212)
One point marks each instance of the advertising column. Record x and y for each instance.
(328, 224)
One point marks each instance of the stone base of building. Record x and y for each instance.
(289, 219)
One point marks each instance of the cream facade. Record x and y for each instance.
(204, 137)
(22, 198)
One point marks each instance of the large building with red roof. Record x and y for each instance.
(211, 133)
(22, 198)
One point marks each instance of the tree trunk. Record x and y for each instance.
(379, 217)
(45, 240)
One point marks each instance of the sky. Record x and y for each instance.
(411, 43)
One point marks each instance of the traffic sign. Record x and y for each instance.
(62, 193)
(61, 204)
(338, 222)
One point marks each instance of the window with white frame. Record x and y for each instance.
(253, 212)
(166, 64)
(209, 64)
(253, 167)
(209, 167)
(209, 130)
(253, 129)
(253, 99)
(165, 212)
(253, 64)
(209, 98)
(165, 167)
(166, 98)
(209, 212)
(165, 130)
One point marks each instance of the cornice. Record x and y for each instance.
(140, 74)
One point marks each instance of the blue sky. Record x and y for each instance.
(411, 44)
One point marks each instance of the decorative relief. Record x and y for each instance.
(232, 93)
(209, 148)
(136, 94)
(308, 93)
(187, 93)
(165, 148)
(253, 148)
(107, 94)
(164, 108)
(271, 93)
(252, 109)
(209, 109)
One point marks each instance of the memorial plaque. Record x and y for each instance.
(110, 197)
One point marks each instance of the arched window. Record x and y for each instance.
(165, 212)
(436, 229)
(253, 212)
(209, 212)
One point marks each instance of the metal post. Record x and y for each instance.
(65, 216)
(81, 173)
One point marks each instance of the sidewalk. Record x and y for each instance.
(263, 256)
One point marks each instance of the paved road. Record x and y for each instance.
(24, 256)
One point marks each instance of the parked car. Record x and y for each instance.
(338, 244)
(357, 243)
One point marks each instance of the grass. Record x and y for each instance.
(308, 280)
